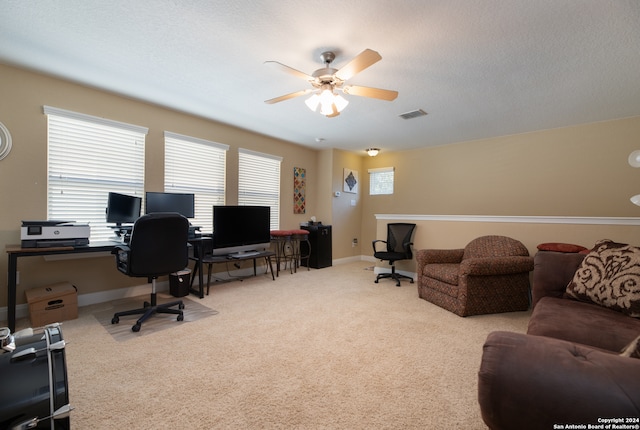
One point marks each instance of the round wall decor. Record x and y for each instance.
(5, 141)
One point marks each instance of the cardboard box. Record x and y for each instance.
(53, 303)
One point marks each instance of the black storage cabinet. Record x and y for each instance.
(320, 241)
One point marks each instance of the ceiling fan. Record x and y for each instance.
(327, 80)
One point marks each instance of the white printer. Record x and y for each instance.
(45, 234)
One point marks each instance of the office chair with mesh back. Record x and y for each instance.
(158, 246)
(398, 248)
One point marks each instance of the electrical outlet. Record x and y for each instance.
(354, 242)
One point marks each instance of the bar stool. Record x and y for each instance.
(281, 240)
(297, 237)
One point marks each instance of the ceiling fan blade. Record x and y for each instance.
(376, 93)
(363, 60)
(290, 70)
(288, 96)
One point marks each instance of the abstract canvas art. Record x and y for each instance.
(350, 181)
(299, 185)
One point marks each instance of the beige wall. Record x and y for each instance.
(579, 171)
(576, 171)
(456, 232)
(23, 180)
(346, 208)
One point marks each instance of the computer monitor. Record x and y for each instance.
(181, 203)
(122, 208)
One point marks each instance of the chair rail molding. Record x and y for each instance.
(514, 219)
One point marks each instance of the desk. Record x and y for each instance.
(16, 251)
(216, 259)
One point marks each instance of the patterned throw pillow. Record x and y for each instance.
(633, 349)
(609, 276)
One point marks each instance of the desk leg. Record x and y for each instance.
(197, 268)
(11, 291)
(200, 277)
(271, 268)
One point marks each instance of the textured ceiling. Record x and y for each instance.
(480, 68)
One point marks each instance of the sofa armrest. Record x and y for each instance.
(552, 272)
(490, 266)
(439, 256)
(534, 382)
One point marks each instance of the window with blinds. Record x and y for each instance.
(381, 181)
(259, 182)
(89, 157)
(197, 166)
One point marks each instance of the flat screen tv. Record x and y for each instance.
(238, 229)
(122, 208)
(181, 203)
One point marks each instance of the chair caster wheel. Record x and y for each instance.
(180, 317)
(135, 328)
(181, 306)
(376, 281)
(115, 320)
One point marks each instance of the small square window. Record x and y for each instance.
(381, 181)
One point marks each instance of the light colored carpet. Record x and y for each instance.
(319, 349)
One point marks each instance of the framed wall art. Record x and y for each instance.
(350, 181)
(299, 189)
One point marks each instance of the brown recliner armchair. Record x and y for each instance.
(490, 275)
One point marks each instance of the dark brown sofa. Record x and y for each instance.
(567, 369)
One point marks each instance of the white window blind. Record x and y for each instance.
(88, 157)
(381, 180)
(197, 166)
(259, 182)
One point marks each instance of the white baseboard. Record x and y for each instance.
(354, 259)
(346, 260)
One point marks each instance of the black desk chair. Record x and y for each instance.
(398, 248)
(158, 247)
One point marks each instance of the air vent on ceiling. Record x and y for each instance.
(413, 114)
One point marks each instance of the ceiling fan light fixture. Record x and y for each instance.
(326, 109)
(340, 102)
(326, 96)
(313, 102)
(327, 79)
(331, 104)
